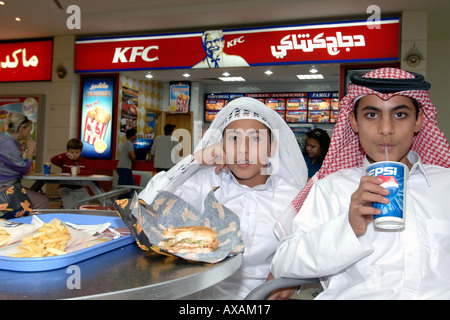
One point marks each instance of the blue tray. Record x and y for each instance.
(56, 262)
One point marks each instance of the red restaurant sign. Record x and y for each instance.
(352, 41)
(26, 61)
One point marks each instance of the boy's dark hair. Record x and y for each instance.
(168, 129)
(414, 101)
(130, 132)
(74, 144)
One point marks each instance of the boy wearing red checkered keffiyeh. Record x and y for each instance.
(333, 235)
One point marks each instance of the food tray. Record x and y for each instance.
(56, 262)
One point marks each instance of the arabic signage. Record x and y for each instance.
(96, 127)
(353, 41)
(26, 61)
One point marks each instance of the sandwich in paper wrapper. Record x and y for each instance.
(152, 225)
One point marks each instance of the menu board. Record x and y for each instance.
(296, 104)
(216, 102)
(97, 105)
(319, 106)
(295, 107)
(276, 103)
(296, 116)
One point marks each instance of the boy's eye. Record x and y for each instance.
(371, 115)
(400, 115)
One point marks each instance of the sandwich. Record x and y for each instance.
(194, 239)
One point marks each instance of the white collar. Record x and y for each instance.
(269, 185)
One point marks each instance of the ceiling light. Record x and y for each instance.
(17, 19)
(186, 75)
(310, 76)
(225, 74)
(2, 3)
(149, 76)
(313, 70)
(231, 79)
(268, 72)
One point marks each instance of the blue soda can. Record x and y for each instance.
(394, 176)
(47, 167)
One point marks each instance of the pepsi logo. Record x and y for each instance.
(389, 183)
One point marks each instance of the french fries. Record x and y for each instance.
(4, 237)
(49, 240)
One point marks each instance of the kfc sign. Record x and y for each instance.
(352, 41)
(120, 55)
(26, 61)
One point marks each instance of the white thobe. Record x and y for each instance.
(258, 209)
(408, 264)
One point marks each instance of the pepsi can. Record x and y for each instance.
(47, 167)
(394, 176)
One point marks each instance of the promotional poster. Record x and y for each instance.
(97, 105)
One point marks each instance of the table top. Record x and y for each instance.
(124, 273)
(67, 177)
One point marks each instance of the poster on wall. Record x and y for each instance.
(129, 109)
(96, 126)
(180, 94)
(25, 105)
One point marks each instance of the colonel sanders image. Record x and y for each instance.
(213, 43)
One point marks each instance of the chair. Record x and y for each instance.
(262, 292)
(105, 199)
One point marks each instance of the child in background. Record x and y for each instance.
(263, 169)
(70, 194)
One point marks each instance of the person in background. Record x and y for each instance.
(334, 237)
(126, 158)
(316, 148)
(13, 162)
(68, 161)
(161, 152)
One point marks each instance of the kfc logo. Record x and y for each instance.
(120, 55)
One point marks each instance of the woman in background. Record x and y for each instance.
(316, 148)
(13, 163)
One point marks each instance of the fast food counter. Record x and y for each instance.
(124, 273)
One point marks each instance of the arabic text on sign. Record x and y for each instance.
(33, 61)
(304, 43)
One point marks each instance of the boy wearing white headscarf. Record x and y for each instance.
(333, 236)
(263, 171)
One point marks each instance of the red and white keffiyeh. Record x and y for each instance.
(345, 150)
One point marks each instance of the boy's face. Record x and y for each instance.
(247, 147)
(73, 154)
(390, 123)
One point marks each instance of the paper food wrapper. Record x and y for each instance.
(147, 222)
(82, 236)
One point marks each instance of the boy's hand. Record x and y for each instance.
(361, 211)
(213, 155)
